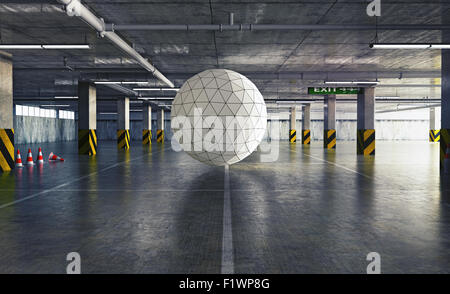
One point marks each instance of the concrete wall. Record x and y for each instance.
(29, 129)
(346, 129)
(107, 129)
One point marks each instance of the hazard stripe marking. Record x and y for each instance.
(87, 142)
(306, 137)
(293, 136)
(123, 139)
(435, 135)
(160, 136)
(330, 139)
(6, 149)
(146, 137)
(365, 144)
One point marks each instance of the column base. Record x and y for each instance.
(292, 136)
(87, 142)
(445, 140)
(6, 149)
(435, 136)
(123, 139)
(306, 137)
(160, 136)
(329, 139)
(365, 144)
(146, 137)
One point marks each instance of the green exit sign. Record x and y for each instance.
(331, 90)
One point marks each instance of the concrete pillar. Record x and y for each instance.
(160, 123)
(306, 124)
(445, 98)
(365, 134)
(292, 127)
(329, 119)
(435, 132)
(123, 123)
(6, 113)
(87, 118)
(147, 124)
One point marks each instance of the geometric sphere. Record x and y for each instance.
(218, 117)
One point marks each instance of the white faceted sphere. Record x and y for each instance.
(236, 107)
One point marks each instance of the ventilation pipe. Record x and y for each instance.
(75, 8)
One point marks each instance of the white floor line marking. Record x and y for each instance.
(227, 234)
(338, 165)
(70, 182)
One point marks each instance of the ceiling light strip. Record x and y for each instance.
(58, 46)
(409, 46)
(156, 89)
(352, 82)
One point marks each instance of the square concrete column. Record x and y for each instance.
(87, 118)
(6, 113)
(365, 134)
(306, 124)
(329, 120)
(146, 124)
(123, 123)
(445, 100)
(435, 128)
(160, 124)
(292, 128)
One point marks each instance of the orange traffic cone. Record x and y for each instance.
(55, 157)
(30, 158)
(447, 160)
(40, 159)
(18, 159)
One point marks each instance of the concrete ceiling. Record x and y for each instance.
(308, 56)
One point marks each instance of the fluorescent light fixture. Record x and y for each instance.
(66, 46)
(136, 110)
(366, 83)
(66, 97)
(399, 46)
(294, 101)
(56, 105)
(440, 46)
(387, 97)
(131, 83)
(409, 46)
(156, 98)
(20, 47)
(341, 82)
(2, 46)
(119, 83)
(352, 82)
(156, 89)
(106, 113)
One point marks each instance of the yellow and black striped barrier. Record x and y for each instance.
(306, 137)
(160, 136)
(292, 136)
(146, 137)
(6, 149)
(435, 135)
(365, 144)
(123, 139)
(445, 139)
(87, 142)
(329, 139)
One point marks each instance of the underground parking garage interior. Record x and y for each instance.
(224, 137)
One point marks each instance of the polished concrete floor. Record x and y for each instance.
(158, 211)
